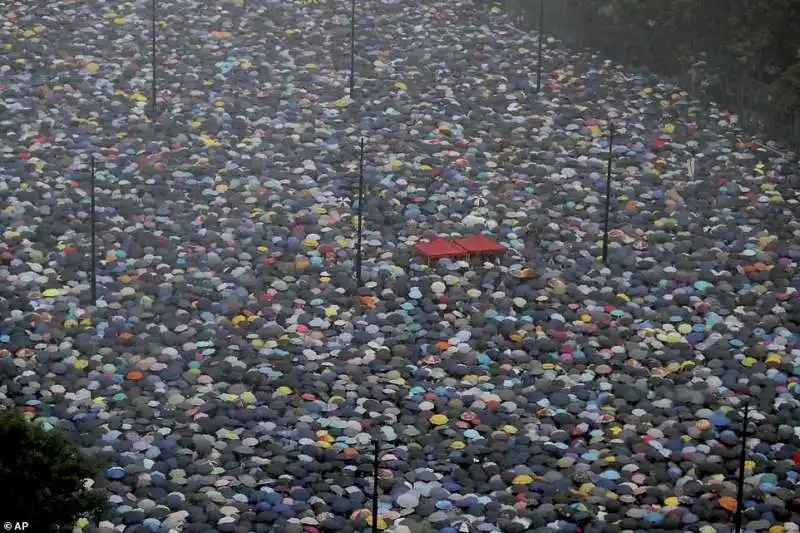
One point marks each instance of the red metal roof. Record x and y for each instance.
(476, 244)
(439, 248)
(479, 244)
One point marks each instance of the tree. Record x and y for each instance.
(789, 85)
(43, 476)
(736, 38)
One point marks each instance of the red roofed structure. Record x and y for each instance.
(479, 244)
(439, 249)
(461, 247)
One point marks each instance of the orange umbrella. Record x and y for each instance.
(728, 503)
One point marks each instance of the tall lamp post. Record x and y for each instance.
(352, 46)
(608, 190)
(93, 224)
(737, 517)
(153, 59)
(541, 48)
(360, 215)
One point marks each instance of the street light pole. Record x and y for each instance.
(352, 46)
(153, 58)
(737, 518)
(608, 191)
(541, 47)
(375, 465)
(360, 214)
(92, 222)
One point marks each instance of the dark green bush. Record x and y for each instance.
(789, 89)
(758, 38)
(42, 476)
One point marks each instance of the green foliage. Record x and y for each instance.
(42, 476)
(757, 38)
(789, 89)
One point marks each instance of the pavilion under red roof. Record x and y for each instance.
(479, 244)
(439, 249)
(460, 247)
